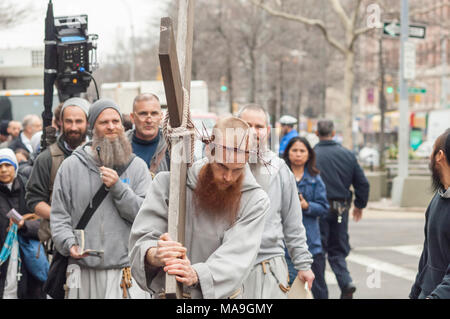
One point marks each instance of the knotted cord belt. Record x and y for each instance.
(185, 129)
(126, 281)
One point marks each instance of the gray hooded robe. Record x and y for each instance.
(221, 254)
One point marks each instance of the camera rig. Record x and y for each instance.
(70, 57)
(76, 55)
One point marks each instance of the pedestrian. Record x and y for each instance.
(301, 159)
(14, 129)
(57, 118)
(9, 130)
(91, 167)
(31, 125)
(15, 279)
(287, 130)
(25, 166)
(127, 124)
(4, 135)
(283, 226)
(225, 210)
(146, 139)
(339, 170)
(433, 277)
(74, 126)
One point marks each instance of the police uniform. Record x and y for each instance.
(339, 169)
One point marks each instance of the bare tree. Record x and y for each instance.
(346, 47)
(11, 14)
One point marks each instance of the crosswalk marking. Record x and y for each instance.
(376, 264)
(411, 250)
(386, 267)
(330, 278)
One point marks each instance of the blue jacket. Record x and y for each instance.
(285, 140)
(314, 192)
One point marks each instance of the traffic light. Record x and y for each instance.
(223, 86)
(390, 90)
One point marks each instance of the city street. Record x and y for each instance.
(386, 248)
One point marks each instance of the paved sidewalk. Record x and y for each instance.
(385, 204)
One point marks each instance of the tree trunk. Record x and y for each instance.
(230, 82)
(349, 80)
(252, 98)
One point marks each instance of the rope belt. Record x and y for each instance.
(126, 281)
(265, 263)
(185, 129)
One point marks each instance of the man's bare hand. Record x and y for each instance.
(357, 214)
(108, 176)
(166, 250)
(307, 276)
(182, 269)
(75, 252)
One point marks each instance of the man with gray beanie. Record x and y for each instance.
(39, 188)
(105, 163)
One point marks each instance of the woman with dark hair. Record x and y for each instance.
(16, 279)
(301, 159)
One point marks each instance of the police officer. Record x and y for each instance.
(287, 130)
(339, 169)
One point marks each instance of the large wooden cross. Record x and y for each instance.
(176, 62)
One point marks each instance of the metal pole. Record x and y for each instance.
(403, 131)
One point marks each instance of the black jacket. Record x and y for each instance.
(339, 169)
(433, 277)
(38, 186)
(28, 286)
(17, 143)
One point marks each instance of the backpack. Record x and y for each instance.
(44, 232)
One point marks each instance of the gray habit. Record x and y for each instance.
(283, 226)
(221, 254)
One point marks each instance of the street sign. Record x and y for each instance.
(414, 90)
(417, 90)
(393, 29)
(409, 60)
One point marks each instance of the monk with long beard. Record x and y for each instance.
(225, 211)
(213, 196)
(92, 167)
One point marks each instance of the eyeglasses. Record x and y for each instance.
(142, 116)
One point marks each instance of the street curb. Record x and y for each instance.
(381, 207)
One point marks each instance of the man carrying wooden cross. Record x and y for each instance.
(225, 212)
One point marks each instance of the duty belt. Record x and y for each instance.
(339, 206)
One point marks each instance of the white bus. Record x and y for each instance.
(16, 104)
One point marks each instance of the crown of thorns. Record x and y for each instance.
(208, 139)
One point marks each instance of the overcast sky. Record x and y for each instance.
(110, 19)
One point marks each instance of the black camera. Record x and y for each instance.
(76, 55)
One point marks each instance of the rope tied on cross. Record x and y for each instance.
(186, 128)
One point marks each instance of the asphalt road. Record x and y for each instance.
(386, 248)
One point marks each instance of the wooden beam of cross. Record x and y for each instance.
(174, 82)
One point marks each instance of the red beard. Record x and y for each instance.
(213, 201)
